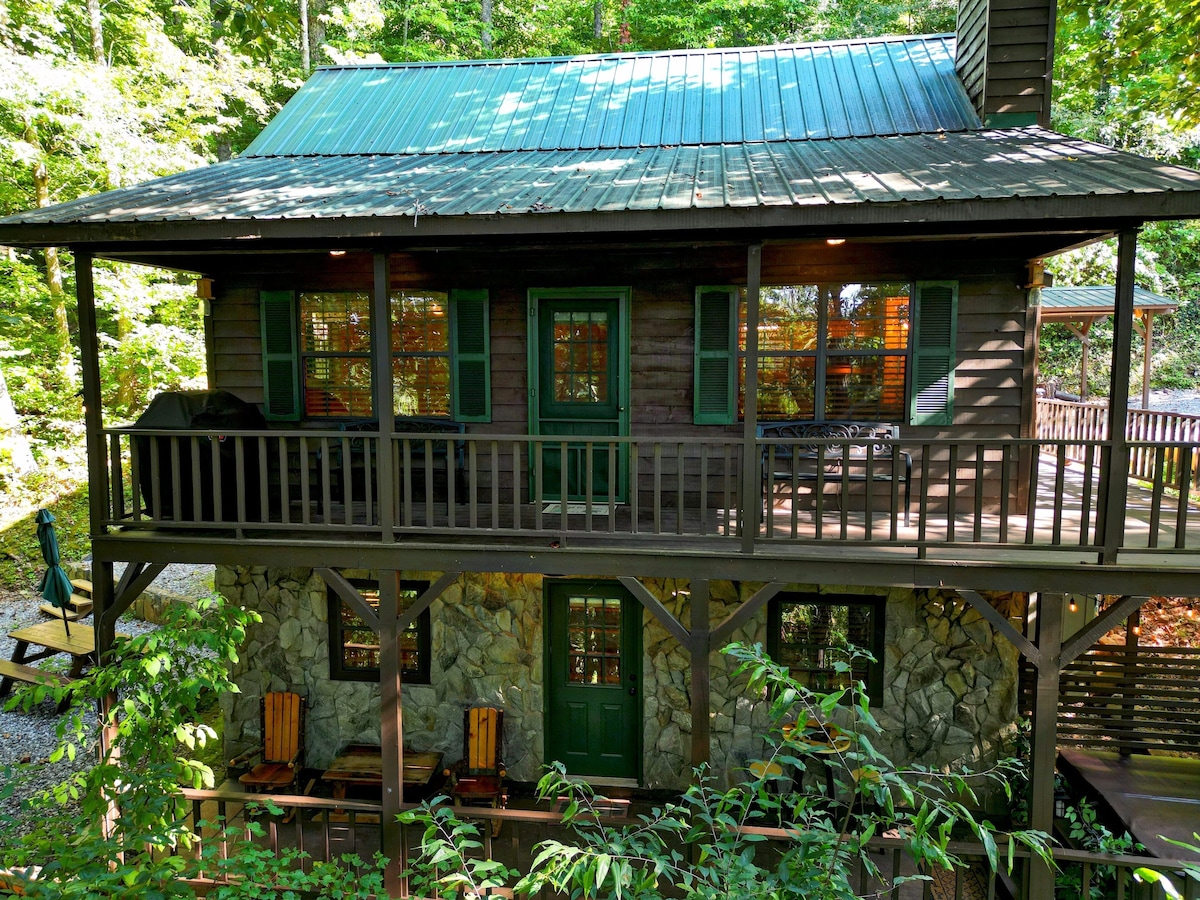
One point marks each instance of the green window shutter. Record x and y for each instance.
(281, 359)
(715, 377)
(470, 360)
(931, 400)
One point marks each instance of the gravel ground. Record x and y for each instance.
(1179, 401)
(29, 737)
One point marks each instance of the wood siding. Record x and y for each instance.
(971, 54)
(1004, 57)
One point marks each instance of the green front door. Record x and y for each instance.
(593, 679)
(579, 375)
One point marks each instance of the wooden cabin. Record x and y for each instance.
(550, 377)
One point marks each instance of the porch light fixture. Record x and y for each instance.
(337, 252)
(1060, 803)
(835, 242)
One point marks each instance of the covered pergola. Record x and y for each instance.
(1079, 308)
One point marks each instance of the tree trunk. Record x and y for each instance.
(485, 16)
(96, 25)
(54, 279)
(598, 19)
(316, 29)
(13, 443)
(305, 50)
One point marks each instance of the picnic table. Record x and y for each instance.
(363, 764)
(35, 642)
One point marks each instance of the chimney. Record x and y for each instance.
(1005, 58)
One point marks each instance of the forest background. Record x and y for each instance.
(100, 94)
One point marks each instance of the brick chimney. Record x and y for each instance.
(1005, 58)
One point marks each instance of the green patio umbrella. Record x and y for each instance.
(55, 585)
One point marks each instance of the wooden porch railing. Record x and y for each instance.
(1036, 493)
(1132, 700)
(1161, 443)
(325, 829)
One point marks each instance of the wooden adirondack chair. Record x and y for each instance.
(478, 778)
(282, 749)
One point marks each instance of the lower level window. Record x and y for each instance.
(354, 647)
(811, 633)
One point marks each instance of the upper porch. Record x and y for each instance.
(272, 496)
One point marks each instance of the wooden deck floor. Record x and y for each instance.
(1153, 796)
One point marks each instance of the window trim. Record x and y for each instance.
(878, 605)
(337, 668)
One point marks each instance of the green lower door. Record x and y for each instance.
(594, 707)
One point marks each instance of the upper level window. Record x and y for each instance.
(354, 647)
(869, 352)
(421, 353)
(829, 351)
(811, 633)
(320, 366)
(335, 350)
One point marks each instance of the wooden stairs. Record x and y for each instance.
(81, 602)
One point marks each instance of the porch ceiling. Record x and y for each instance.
(980, 178)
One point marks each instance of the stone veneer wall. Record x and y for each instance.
(950, 689)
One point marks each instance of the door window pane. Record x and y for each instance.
(594, 641)
(580, 357)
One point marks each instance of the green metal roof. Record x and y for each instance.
(1063, 302)
(1017, 165)
(840, 89)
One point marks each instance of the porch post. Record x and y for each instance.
(1116, 473)
(751, 477)
(97, 454)
(700, 676)
(93, 413)
(382, 398)
(1145, 327)
(1044, 750)
(391, 729)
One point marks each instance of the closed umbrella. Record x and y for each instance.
(55, 585)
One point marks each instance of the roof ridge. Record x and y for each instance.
(639, 54)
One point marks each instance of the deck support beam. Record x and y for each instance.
(673, 626)
(744, 613)
(391, 730)
(1044, 750)
(97, 454)
(1116, 475)
(700, 684)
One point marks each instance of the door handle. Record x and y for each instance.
(633, 692)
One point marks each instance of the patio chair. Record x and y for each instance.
(478, 778)
(282, 748)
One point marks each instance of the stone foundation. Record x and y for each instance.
(949, 697)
